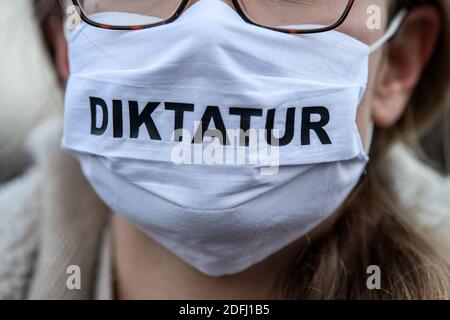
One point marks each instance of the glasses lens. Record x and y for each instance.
(295, 14)
(129, 12)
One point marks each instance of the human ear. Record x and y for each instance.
(406, 56)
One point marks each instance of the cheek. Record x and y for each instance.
(367, 20)
(356, 26)
(364, 114)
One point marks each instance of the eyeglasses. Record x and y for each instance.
(287, 16)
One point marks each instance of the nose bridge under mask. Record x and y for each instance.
(211, 29)
(209, 21)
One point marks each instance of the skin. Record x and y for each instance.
(145, 270)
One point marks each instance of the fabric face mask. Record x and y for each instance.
(129, 90)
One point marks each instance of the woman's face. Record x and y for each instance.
(393, 71)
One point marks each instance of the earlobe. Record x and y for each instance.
(405, 59)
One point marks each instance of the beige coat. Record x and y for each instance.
(50, 219)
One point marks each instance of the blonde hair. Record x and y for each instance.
(370, 230)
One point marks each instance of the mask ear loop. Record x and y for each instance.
(391, 30)
(369, 137)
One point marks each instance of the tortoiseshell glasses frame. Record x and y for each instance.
(238, 6)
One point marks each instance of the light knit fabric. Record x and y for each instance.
(424, 193)
(52, 220)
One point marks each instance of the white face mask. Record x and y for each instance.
(129, 90)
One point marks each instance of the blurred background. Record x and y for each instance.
(29, 90)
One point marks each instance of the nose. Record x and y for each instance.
(229, 2)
